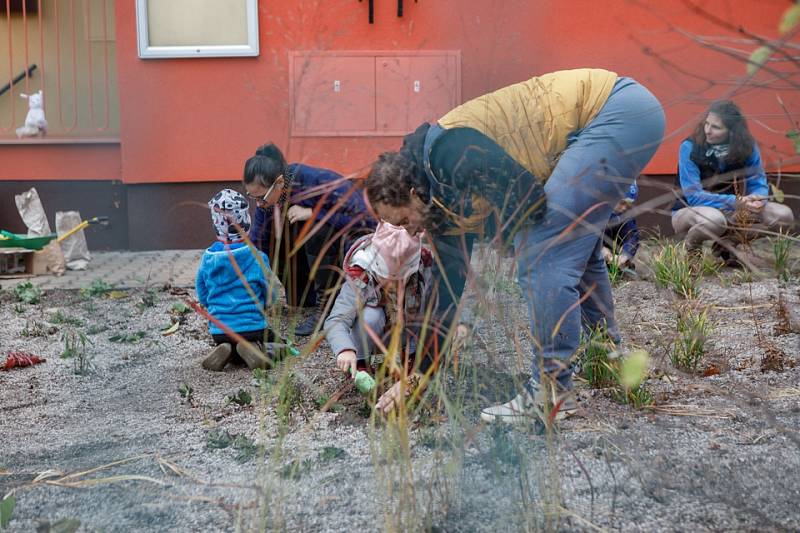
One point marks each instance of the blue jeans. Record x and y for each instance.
(562, 273)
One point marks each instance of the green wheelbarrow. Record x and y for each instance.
(15, 240)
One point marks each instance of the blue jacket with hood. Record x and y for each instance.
(221, 291)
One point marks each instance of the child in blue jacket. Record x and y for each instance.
(222, 291)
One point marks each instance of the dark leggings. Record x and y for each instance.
(259, 335)
(303, 290)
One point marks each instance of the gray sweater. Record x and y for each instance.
(362, 289)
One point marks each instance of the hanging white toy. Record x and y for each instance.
(35, 123)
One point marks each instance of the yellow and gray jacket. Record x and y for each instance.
(492, 155)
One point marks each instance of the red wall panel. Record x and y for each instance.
(199, 119)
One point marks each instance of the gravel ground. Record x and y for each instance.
(121, 449)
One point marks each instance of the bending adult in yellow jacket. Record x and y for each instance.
(543, 162)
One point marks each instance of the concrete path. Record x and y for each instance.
(124, 270)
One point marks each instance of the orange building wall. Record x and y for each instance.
(198, 119)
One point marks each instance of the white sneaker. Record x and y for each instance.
(526, 408)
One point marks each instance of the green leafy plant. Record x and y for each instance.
(331, 453)
(27, 292)
(97, 288)
(242, 397)
(690, 345)
(128, 338)
(7, 510)
(261, 378)
(218, 439)
(148, 299)
(185, 391)
(245, 447)
(180, 308)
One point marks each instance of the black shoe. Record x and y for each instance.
(308, 325)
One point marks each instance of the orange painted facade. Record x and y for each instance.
(196, 120)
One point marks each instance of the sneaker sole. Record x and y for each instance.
(253, 359)
(218, 358)
(562, 414)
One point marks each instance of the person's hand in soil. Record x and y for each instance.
(392, 397)
(298, 213)
(755, 203)
(346, 362)
(622, 260)
(608, 255)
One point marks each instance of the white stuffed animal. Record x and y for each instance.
(35, 123)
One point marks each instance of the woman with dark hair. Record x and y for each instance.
(720, 173)
(286, 196)
(543, 162)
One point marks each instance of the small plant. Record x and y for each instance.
(33, 328)
(94, 329)
(675, 268)
(60, 318)
(781, 246)
(288, 396)
(261, 378)
(245, 447)
(242, 398)
(630, 375)
(331, 453)
(689, 348)
(295, 469)
(218, 439)
(594, 358)
(7, 510)
(19, 308)
(148, 299)
(27, 292)
(128, 338)
(97, 288)
(636, 398)
(75, 349)
(186, 391)
(74, 343)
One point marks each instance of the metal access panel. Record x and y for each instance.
(332, 95)
(371, 92)
(412, 89)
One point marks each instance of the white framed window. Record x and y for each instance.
(196, 28)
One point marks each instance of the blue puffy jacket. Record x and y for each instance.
(222, 292)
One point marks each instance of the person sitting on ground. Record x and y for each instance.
(621, 238)
(719, 174)
(228, 271)
(296, 192)
(378, 268)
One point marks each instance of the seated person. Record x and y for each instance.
(378, 268)
(719, 174)
(222, 291)
(621, 238)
